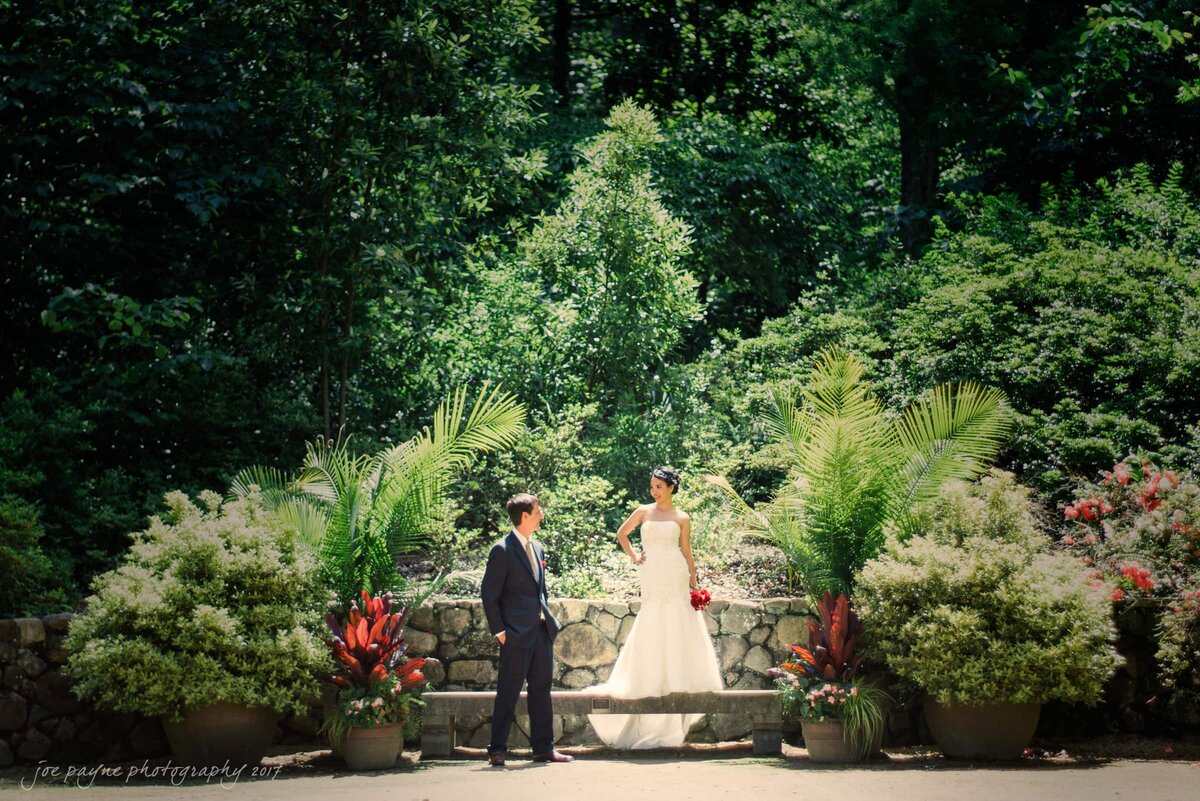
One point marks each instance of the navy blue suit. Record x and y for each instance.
(515, 602)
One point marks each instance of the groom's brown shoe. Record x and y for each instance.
(496, 759)
(553, 756)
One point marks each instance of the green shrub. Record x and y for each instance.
(976, 610)
(1087, 317)
(575, 534)
(213, 604)
(30, 582)
(1178, 654)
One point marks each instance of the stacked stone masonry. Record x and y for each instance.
(41, 719)
(749, 636)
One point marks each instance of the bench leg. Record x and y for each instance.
(437, 736)
(768, 738)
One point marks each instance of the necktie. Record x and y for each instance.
(536, 569)
(529, 552)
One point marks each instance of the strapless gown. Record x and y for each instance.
(668, 649)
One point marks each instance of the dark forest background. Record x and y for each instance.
(228, 227)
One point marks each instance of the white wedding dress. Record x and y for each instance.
(668, 649)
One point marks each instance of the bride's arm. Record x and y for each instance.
(624, 531)
(685, 545)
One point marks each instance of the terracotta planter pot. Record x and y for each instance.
(990, 731)
(221, 732)
(826, 742)
(373, 749)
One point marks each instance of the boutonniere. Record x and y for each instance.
(543, 563)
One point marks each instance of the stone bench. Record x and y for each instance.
(441, 708)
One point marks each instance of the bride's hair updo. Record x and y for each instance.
(668, 475)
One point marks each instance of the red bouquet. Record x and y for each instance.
(700, 599)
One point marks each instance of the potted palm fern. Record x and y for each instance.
(362, 511)
(856, 469)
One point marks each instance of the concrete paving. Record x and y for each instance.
(728, 775)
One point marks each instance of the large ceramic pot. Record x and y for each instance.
(220, 732)
(989, 731)
(827, 742)
(375, 748)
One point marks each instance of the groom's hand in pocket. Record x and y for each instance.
(502, 636)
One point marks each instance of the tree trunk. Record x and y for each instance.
(324, 337)
(561, 35)
(919, 169)
(698, 84)
(915, 112)
(347, 349)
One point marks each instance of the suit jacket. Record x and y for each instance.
(514, 592)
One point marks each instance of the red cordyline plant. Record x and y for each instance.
(820, 682)
(832, 652)
(376, 680)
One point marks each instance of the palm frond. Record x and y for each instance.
(785, 421)
(361, 511)
(835, 385)
(413, 597)
(274, 490)
(415, 472)
(267, 479)
(329, 468)
(846, 478)
(309, 520)
(755, 522)
(953, 433)
(856, 470)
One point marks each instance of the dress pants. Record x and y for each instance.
(533, 663)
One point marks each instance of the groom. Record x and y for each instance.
(514, 600)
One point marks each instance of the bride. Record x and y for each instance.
(668, 649)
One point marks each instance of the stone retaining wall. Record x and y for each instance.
(41, 719)
(749, 637)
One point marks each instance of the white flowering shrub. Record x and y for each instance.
(216, 602)
(976, 609)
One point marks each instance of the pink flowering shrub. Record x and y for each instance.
(1138, 532)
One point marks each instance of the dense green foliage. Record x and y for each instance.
(974, 610)
(229, 228)
(212, 603)
(1178, 646)
(226, 227)
(27, 583)
(1087, 316)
